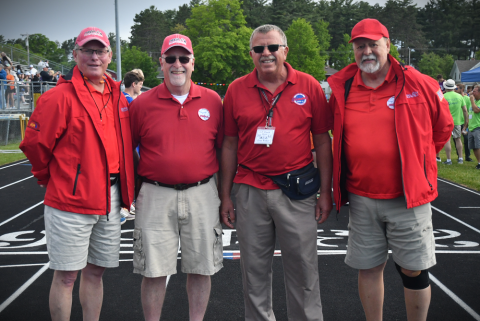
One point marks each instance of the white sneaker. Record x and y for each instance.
(124, 212)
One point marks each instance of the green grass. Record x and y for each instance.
(464, 174)
(10, 158)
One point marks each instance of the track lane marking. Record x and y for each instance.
(456, 219)
(455, 298)
(469, 190)
(16, 182)
(13, 164)
(20, 290)
(23, 212)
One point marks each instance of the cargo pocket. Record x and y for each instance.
(138, 254)
(217, 247)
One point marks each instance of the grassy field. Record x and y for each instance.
(465, 174)
(9, 158)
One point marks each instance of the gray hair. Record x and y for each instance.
(266, 29)
(78, 47)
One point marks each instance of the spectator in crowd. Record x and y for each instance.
(440, 82)
(51, 72)
(384, 166)
(456, 104)
(3, 82)
(6, 61)
(461, 90)
(41, 64)
(45, 75)
(87, 181)
(32, 70)
(22, 87)
(271, 154)
(474, 124)
(10, 88)
(169, 122)
(133, 81)
(19, 70)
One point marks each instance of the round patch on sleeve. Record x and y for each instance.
(391, 102)
(299, 99)
(204, 114)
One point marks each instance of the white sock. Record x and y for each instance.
(460, 158)
(449, 160)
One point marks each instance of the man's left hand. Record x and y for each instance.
(323, 207)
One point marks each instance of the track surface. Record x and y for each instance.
(25, 277)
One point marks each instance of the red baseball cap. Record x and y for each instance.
(92, 33)
(177, 40)
(370, 29)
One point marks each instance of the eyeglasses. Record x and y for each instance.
(271, 48)
(172, 59)
(89, 52)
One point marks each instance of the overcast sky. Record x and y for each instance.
(60, 20)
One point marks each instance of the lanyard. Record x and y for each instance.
(268, 122)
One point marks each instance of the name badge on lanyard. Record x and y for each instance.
(265, 134)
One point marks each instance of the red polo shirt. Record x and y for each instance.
(104, 103)
(370, 141)
(302, 108)
(177, 141)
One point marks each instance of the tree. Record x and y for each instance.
(133, 58)
(256, 12)
(148, 31)
(432, 64)
(321, 31)
(394, 53)
(304, 50)
(283, 12)
(343, 55)
(220, 41)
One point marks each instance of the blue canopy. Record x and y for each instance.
(471, 75)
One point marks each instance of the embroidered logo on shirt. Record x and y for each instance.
(34, 125)
(391, 102)
(204, 114)
(413, 95)
(124, 109)
(440, 94)
(299, 99)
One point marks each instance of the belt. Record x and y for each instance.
(178, 187)
(114, 178)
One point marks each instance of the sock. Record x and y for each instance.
(461, 158)
(449, 160)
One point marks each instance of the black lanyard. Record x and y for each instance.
(268, 122)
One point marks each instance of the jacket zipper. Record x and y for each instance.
(76, 179)
(396, 133)
(425, 170)
(123, 145)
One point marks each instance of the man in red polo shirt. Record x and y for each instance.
(179, 127)
(78, 142)
(269, 115)
(390, 120)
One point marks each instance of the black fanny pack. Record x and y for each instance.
(298, 184)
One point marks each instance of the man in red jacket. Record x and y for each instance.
(390, 120)
(78, 142)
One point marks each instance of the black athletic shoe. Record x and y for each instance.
(468, 159)
(478, 166)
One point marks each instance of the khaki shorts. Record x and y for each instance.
(375, 225)
(166, 217)
(74, 239)
(457, 131)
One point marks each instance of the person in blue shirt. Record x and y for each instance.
(133, 81)
(3, 78)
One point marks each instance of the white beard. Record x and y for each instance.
(369, 68)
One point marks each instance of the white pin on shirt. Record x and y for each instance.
(204, 114)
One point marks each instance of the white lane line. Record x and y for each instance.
(468, 207)
(23, 212)
(456, 219)
(16, 182)
(20, 290)
(469, 190)
(21, 265)
(455, 297)
(14, 164)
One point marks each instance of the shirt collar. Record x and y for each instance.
(252, 78)
(358, 81)
(164, 93)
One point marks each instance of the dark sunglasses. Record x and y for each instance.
(271, 48)
(172, 59)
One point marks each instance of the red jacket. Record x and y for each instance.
(423, 125)
(64, 142)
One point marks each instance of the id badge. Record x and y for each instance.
(264, 136)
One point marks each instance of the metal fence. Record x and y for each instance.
(24, 95)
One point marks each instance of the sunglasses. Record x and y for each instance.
(172, 59)
(271, 48)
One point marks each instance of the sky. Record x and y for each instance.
(61, 20)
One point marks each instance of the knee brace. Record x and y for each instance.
(419, 282)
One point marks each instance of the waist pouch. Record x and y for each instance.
(298, 184)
